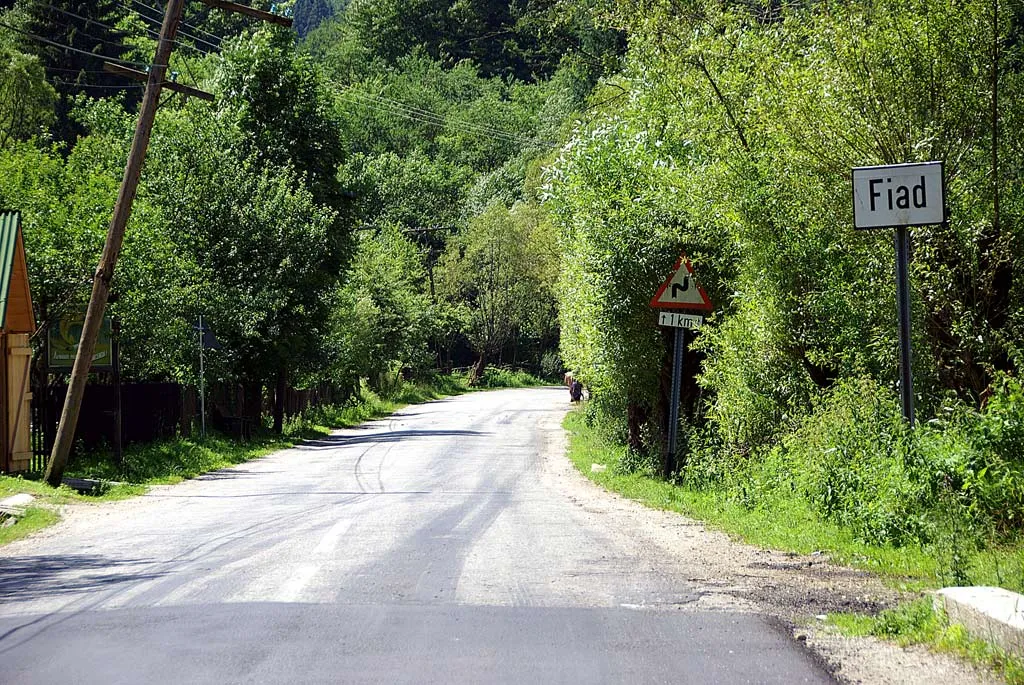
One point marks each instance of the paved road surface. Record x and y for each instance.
(431, 547)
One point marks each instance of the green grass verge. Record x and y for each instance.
(920, 623)
(47, 499)
(35, 518)
(789, 524)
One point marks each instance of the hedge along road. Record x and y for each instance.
(448, 543)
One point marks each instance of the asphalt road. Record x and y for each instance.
(431, 547)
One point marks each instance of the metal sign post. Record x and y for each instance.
(903, 306)
(677, 381)
(898, 196)
(679, 291)
(202, 381)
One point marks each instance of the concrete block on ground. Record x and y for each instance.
(15, 504)
(988, 613)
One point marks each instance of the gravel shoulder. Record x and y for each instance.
(792, 588)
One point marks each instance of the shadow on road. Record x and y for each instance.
(33, 577)
(335, 441)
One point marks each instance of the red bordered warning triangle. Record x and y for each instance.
(681, 290)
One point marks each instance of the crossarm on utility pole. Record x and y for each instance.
(251, 11)
(169, 85)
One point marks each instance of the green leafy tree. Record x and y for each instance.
(505, 39)
(280, 104)
(491, 269)
(384, 318)
(26, 99)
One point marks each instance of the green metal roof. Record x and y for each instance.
(9, 222)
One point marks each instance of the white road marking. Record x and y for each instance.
(192, 590)
(291, 591)
(293, 588)
(332, 537)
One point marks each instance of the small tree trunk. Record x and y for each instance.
(478, 369)
(252, 396)
(636, 417)
(279, 393)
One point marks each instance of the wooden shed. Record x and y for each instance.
(17, 323)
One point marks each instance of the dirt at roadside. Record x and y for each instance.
(795, 589)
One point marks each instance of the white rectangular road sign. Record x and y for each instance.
(898, 195)
(691, 321)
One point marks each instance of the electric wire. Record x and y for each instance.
(94, 86)
(480, 128)
(103, 41)
(452, 124)
(62, 46)
(416, 111)
(88, 21)
(159, 21)
(430, 118)
(100, 56)
(417, 114)
(152, 34)
(76, 71)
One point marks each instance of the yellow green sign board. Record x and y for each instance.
(62, 343)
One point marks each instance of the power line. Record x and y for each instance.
(80, 32)
(441, 118)
(62, 46)
(412, 113)
(76, 71)
(452, 124)
(151, 33)
(482, 128)
(423, 116)
(80, 84)
(87, 20)
(159, 14)
(157, 20)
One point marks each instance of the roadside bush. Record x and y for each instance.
(851, 459)
(978, 458)
(644, 462)
(709, 465)
(954, 483)
(507, 378)
(551, 366)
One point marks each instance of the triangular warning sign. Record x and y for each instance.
(681, 290)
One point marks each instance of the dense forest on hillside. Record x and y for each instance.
(399, 187)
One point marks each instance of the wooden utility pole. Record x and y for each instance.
(115, 234)
(112, 247)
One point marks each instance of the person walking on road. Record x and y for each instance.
(575, 391)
